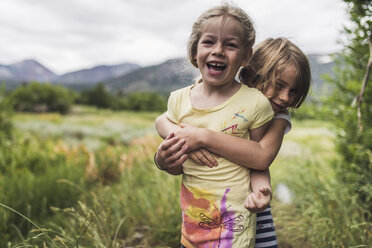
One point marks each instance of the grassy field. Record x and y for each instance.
(87, 180)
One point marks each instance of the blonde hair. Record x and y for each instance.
(228, 10)
(270, 58)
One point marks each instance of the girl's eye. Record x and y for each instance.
(207, 42)
(278, 86)
(232, 45)
(293, 92)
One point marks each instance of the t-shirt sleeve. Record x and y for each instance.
(173, 110)
(286, 116)
(263, 112)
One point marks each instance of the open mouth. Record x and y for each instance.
(216, 66)
(276, 106)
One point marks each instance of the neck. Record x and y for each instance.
(223, 90)
(205, 96)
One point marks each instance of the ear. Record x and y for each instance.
(247, 57)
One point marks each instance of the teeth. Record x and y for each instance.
(217, 64)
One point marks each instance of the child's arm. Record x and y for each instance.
(165, 126)
(261, 194)
(248, 153)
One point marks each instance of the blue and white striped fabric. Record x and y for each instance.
(265, 230)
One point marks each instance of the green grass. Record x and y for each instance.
(322, 212)
(89, 126)
(110, 194)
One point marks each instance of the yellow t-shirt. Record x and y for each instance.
(212, 199)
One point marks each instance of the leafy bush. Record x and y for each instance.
(97, 96)
(38, 97)
(142, 101)
(353, 144)
(146, 101)
(33, 178)
(6, 125)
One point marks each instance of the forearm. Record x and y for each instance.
(248, 153)
(164, 126)
(260, 179)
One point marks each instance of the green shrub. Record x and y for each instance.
(33, 179)
(323, 212)
(42, 97)
(147, 101)
(6, 125)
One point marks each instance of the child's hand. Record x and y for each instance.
(258, 203)
(191, 134)
(171, 152)
(203, 157)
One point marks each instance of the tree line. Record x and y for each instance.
(46, 97)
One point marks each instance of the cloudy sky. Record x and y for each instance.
(67, 35)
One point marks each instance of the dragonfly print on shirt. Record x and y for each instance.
(223, 221)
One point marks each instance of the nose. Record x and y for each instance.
(218, 49)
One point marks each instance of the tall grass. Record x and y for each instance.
(323, 213)
(114, 196)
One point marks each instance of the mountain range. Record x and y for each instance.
(127, 77)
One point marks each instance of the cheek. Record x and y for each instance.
(269, 92)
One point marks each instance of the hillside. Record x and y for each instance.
(178, 73)
(163, 78)
(126, 77)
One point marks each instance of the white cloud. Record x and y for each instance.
(73, 34)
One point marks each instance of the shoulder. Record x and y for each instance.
(250, 90)
(180, 93)
(181, 90)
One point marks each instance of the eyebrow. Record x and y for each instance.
(209, 35)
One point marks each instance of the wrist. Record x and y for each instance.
(204, 137)
(157, 164)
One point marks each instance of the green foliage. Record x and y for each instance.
(313, 110)
(97, 96)
(354, 145)
(115, 197)
(146, 101)
(38, 97)
(324, 213)
(6, 125)
(138, 101)
(32, 179)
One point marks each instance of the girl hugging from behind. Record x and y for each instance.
(220, 135)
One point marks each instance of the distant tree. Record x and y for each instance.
(42, 97)
(147, 101)
(6, 125)
(354, 144)
(97, 96)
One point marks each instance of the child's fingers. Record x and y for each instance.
(172, 145)
(168, 142)
(195, 158)
(261, 203)
(199, 158)
(211, 161)
(203, 157)
(179, 151)
(249, 205)
(171, 135)
(179, 161)
(265, 191)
